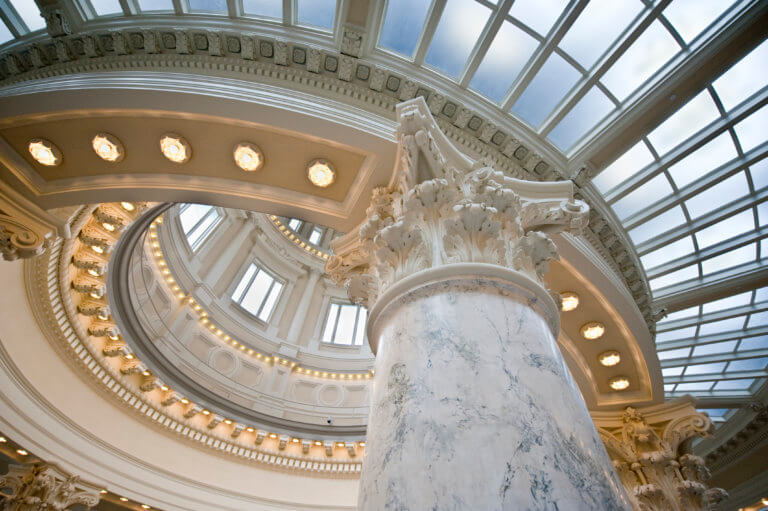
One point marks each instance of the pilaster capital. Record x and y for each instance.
(44, 486)
(25, 229)
(444, 208)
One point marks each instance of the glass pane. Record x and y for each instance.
(722, 326)
(705, 368)
(674, 250)
(638, 199)
(761, 294)
(757, 319)
(315, 236)
(754, 343)
(269, 305)
(660, 223)
(294, 224)
(692, 117)
(508, 53)
(752, 130)
(625, 166)
(319, 13)
(690, 17)
(669, 387)
(208, 5)
(551, 83)
(240, 289)
(585, 114)
(697, 386)
(104, 7)
(762, 213)
(5, 34)
(714, 348)
(677, 334)
(266, 8)
(360, 334)
(199, 233)
(345, 328)
(256, 294)
(735, 384)
(191, 215)
(29, 12)
(708, 157)
(725, 229)
(330, 322)
(457, 32)
(402, 25)
(648, 53)
(155, 5)
(672, 371)
(671, 354)
(730, 302)
(540, 15)
(676, 277)
(759, 173)
(718, 195)
(681, 314)
(597, 27)
(744, 78)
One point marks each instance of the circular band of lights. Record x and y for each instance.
(248, 157)
(321, 173)
(108, 147)
(175, 148)
(45, 152)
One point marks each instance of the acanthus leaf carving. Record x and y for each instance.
(42, 486)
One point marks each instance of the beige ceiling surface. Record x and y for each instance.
(286, 155)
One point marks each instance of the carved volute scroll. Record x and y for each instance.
(444, 208)
(41, 486)
(25, 229)
(654, 460)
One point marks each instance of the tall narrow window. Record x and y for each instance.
(294, 224)
(197, 222)
(345, 324)
(257, 292)
(315, 236)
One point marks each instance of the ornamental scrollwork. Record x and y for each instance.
(43, 487)
(444, 208)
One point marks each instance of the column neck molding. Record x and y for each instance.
(535, 294)
(443, 208)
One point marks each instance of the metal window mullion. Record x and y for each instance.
(178, 7)
(425, 39)
(289, 13)
(234, 8)
(336, 323)
(713, 316)
(712, 286)
(200, 221)
(542, 53)
(490, 30)
(715, 358)
(266, 297)
(354, 329)
(129, 7)
(696, 378)
(250, 283)
(702, 222)
(207, 232)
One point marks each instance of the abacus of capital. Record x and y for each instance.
(449, 261)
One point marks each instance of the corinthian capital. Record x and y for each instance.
(44, 486)
(445, 208)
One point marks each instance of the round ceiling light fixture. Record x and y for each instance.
(321, 173)
(609, 358)
(570, 301)
(128, 206)
(175, 148)
(248, 157)
(619, 383)
(108, 147)
(44, 152)
(593, 330)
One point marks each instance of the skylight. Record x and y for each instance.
(197, 222)
(318, 13)
(257, 292)
(460, 26)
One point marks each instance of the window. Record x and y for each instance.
(257, 292)
(318, 13)
(294, 224)
(315, 236)
(345, 324)
(197, 222)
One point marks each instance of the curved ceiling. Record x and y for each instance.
(661, 89)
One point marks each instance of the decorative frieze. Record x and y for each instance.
(41, 486)
(652, 454)
(444, 208)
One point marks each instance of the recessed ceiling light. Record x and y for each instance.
(21, 452)
(609, 358)
(128, 206)
(248, 157)
(619, 383)
(593, 330)
(123, 499)
(44, 152)
(175, 148)
(570, 301)
(321, 173)
(108, 147)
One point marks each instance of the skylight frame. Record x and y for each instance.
(15, 24)
(258, 268)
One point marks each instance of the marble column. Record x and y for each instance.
(473, 406)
